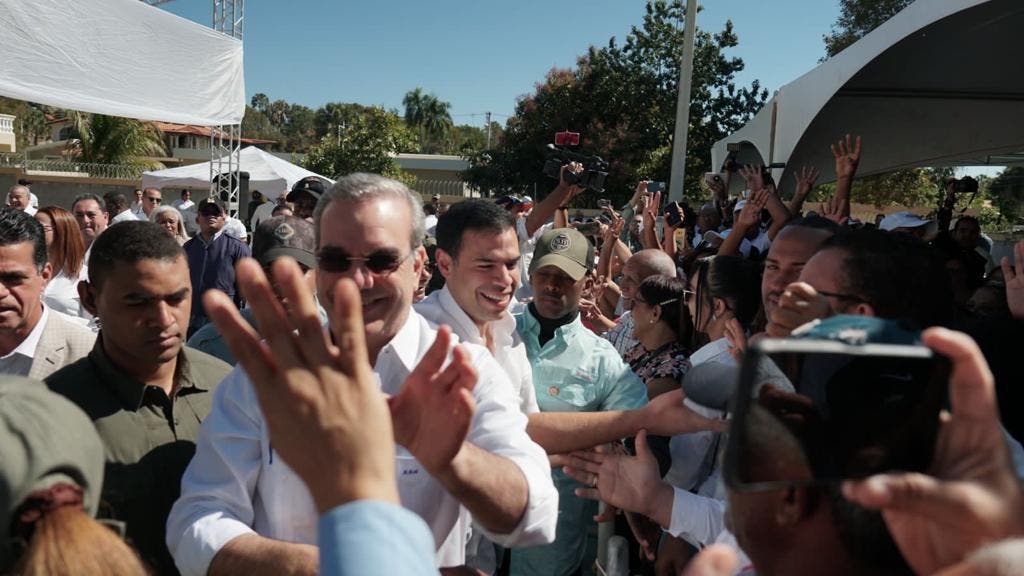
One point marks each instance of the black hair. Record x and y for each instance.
(89, 196)
(967, 219)
(668, 292)
(429, 209)
(732, 279)
(116, 202)
(475, 214)
(17, 227)
(815, 222)
(897, 274)
(129, 242)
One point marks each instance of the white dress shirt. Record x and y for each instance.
(61, 294)
(233, 227)
(127, 215)
(263, 212)
(18, 362)
(510, 352)
(236, 485)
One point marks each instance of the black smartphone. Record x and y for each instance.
(809, 412)
(674, 214)
(653, 187)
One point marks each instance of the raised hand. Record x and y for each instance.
(750, 215)
(799, 304)
(833, 210)
(971, 496)
(574, 168)
(847, 155)
(309, 388)
(805, 180)
(753, 176)
(433, 412)
(1015, 281)
(630, 483)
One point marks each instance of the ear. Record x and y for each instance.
(793, 505)
(87, 295)
(719, 307)
(445, 262)
(47, 272)
(419, 260)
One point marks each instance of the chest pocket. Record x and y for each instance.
(567, 389)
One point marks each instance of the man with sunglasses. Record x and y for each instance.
(243, 510)
(212, 255)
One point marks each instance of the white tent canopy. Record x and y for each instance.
(936, 85)
(267, 173)
(120, 58)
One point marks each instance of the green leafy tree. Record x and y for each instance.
(260, 102)
(369, 143)
(30, 124)
(622, 99)
(857, 18)
(1006, 192)
(430, 117)
(255, 124)
(114, 140)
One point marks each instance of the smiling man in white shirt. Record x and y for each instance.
(242, 509)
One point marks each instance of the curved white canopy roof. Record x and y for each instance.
(938, 84)
(267, 173)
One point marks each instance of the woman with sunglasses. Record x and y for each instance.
(66, 254)
(660, 326)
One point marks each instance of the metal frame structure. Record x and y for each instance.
(226, 141)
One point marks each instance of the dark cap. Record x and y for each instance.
(209, 205)
(44, 440)
(565, 249)
(310, 184)
(284, 236)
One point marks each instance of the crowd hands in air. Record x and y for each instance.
(461, 397)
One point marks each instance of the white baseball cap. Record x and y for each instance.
(902, 220)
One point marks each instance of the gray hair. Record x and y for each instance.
(19, 188)
(360, 187)
(165, 208)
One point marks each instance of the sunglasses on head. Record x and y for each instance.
(380, 262)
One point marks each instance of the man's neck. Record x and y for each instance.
(549, 325)
(207, 236)
(160, 374)
(11, 339)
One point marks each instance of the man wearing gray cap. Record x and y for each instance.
(279, 236)
(574, 370)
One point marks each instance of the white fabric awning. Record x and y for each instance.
(936, 85)
(267, 173)
(120, 58)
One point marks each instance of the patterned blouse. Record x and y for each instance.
(668, 361)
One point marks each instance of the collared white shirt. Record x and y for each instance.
(233, 227)
(127, 215)
(61, 294)
(237, 485)
(18, 362)
(183, 204)
(526, 245)
(263, 212)
(510, 352)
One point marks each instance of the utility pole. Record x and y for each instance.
(488, 130)
(675, 191)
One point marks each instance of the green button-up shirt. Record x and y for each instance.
(576, 371)
(149, 438)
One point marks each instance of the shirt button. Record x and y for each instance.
(553, 391)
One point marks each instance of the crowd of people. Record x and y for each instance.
(359, 382)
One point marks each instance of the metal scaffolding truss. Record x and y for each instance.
(226, 141)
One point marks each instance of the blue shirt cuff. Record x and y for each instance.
(373, 537)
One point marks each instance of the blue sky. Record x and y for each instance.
(480, 55)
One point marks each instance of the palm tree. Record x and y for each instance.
(114, 140)
(430, 116)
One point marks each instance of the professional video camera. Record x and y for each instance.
(593, 174)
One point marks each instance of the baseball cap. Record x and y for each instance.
(210, 206)
(310, 184)
(44, 440)
(902, 220)
(526, 200)
(284, 236)
(565, 249)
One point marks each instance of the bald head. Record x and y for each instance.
(639, 267)
(652, 262)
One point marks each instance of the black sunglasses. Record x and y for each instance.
(380, 262)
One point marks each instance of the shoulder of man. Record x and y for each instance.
(209, 368)
(74, 381)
